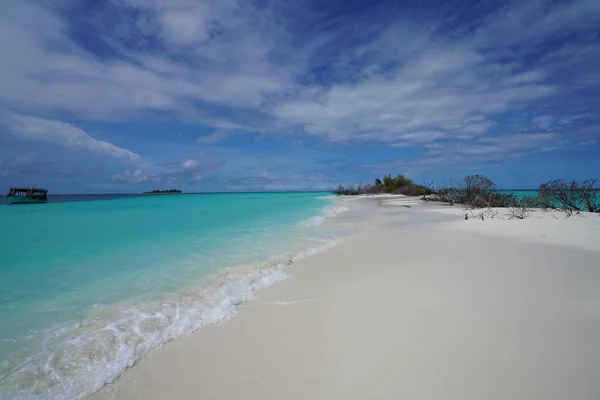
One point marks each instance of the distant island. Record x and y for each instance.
(166, 191)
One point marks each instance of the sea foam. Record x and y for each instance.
(328, 212)
(78, 358)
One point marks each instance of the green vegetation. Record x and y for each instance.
(166, 191)
(478, 191)
(398, 185)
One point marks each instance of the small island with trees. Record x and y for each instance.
(165, 191)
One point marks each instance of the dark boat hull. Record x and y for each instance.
(24, 200)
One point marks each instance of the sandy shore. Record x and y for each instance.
(418, 304)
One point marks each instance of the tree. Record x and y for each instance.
(478, 191)
(393, 185)
(589, 195)
(570, 196)
(478, 184)
(398, 185)
(387, 182)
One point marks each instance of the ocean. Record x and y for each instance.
(521, 193)
(90, 284)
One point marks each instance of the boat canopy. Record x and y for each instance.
(28, 192)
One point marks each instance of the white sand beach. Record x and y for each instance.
(417, 304)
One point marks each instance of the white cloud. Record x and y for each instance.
(442, 158)
(439, 94)
(213, 137)
(34, 128)
(498, 145)
(236, 67)
(139, 175)
(190, 164)
(50, 72)
(526, 24)
(185, 26)
(545, 122)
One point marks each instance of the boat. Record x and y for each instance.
(26, 195)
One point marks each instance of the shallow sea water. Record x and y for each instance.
(88, 287)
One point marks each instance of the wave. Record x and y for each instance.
(78, 358)
(328, 212)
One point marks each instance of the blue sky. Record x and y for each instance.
(226, 95)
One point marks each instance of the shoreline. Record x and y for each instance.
(79, 355)
(412, 292)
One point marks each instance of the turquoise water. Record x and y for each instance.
(519, 194)
(88, 287)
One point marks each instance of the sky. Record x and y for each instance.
(115, 96)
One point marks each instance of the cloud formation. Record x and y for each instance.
(64, 134)
(488, 80)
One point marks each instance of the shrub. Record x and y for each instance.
(570, 196)
(478, 191)
(355, 190)
(398, 185)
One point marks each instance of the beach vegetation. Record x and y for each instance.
(399, 184)
(571, 197)
(478, 191)
(519, 210)
(474, 191)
